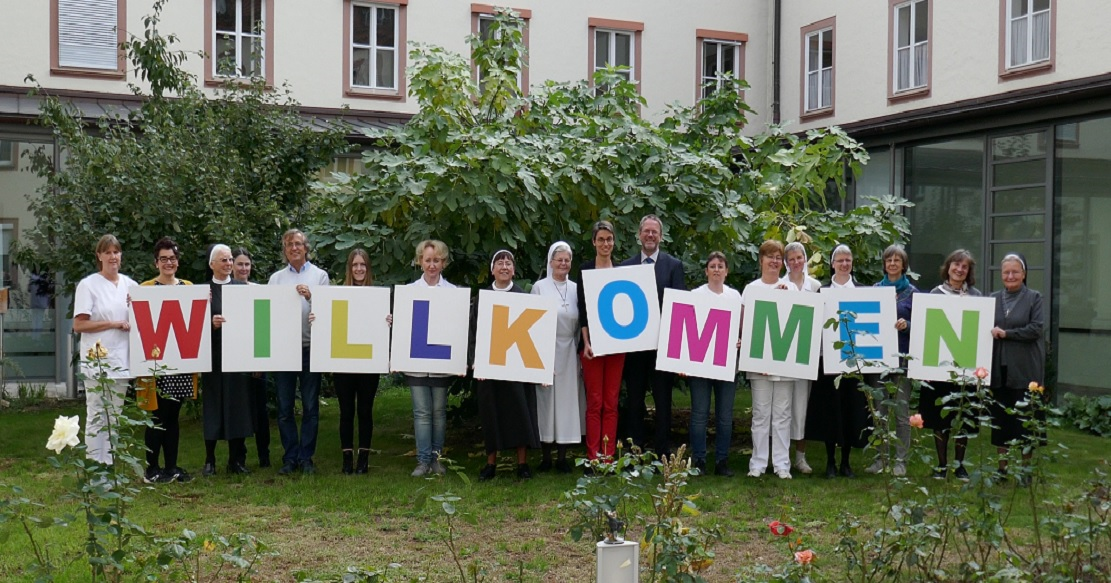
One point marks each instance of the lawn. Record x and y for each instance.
(322, 524)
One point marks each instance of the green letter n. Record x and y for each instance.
(938, 330)
(766, 318)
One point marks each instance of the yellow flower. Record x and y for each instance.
(97, 351)
(155, 352)
(1035, 388)
(209, 546)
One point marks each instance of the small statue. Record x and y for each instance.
(615, 532)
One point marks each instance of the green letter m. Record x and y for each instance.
(766, 319)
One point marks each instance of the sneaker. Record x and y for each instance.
(847, 471)
(153, 475)
(899, 470)
(942, 473)
(699, 465)
(875, 468)
(784, 474)
(422, 470)
(524, 472)
(177, 475)
(438, 468)
(801, 465)
(721, 468)
(209, 469)
(308, 468)
(288, 468)
(487, 472)
(755, 473)
(961, 474)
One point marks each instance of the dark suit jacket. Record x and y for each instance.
(669, 272)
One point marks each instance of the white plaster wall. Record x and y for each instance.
(308, 44)
(965, 54)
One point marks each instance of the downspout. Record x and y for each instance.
(777, 24)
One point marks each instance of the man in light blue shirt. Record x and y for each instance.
(302, 275)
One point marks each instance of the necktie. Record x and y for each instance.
(648, 261)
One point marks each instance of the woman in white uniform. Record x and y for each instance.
(561, 407)
(798, 279)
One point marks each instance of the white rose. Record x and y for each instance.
(65, 433)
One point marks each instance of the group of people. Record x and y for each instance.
(581, 404)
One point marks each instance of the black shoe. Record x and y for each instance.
(209, 469)
(264, 461)
(361, 465)
(588, 471)
(847, 471)
(524, 472)
(153, 475)
(563, 466)
(721, 468)
(831, 471)
(348, 462)
(177, 475)
(699, 465)
(941, 473)
(487, 472)
(545, 465)
(288, 468)
(961, 473)
(308, 468)
(238, 468)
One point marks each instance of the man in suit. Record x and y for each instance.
(640, 367)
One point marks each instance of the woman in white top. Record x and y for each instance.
(429, 390)
(798, 279)
(560, 408)
(100, 315)
(723, 391)
(771, 394)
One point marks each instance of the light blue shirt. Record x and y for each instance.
(309, 275)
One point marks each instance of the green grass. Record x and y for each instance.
(321, 524)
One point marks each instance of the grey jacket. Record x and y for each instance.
(1023, 350)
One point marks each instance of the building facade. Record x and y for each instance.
(990, 116)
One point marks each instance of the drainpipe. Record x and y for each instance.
(776, 26)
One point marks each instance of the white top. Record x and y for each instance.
(726, 292)
(835, 285)
(309, 275)
(809, 284)
(655, 257)
(103, 300)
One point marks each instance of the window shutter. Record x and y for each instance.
(87, 34)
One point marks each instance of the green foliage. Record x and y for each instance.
(234, 169)
(485, 168)
(1091, 414)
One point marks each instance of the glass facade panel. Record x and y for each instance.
(945, 181)
(1033, 252)
(1019, 200)
(1083, 253)
(1018, 146)
(1019, 173)
(30, 338)
(1019, 227)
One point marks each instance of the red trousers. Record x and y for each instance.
(602, 377)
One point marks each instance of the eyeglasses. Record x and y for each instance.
(167, 260)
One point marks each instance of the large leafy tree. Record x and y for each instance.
(483, 167)
(234, 169)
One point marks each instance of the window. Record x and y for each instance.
(911, 24)
(374, 46)
(482, 17)
(719, 53)
(1029, 32)
(86, 37)
(374, 49)
(239, 40)
(817, 68)
(615, 43)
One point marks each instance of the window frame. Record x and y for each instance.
(738, 40)
(1008, 71)
(56, 69)
(632, 28)
(827, 25)
(479, 12)
(211, 78)
(894, 93)
(400, 40)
